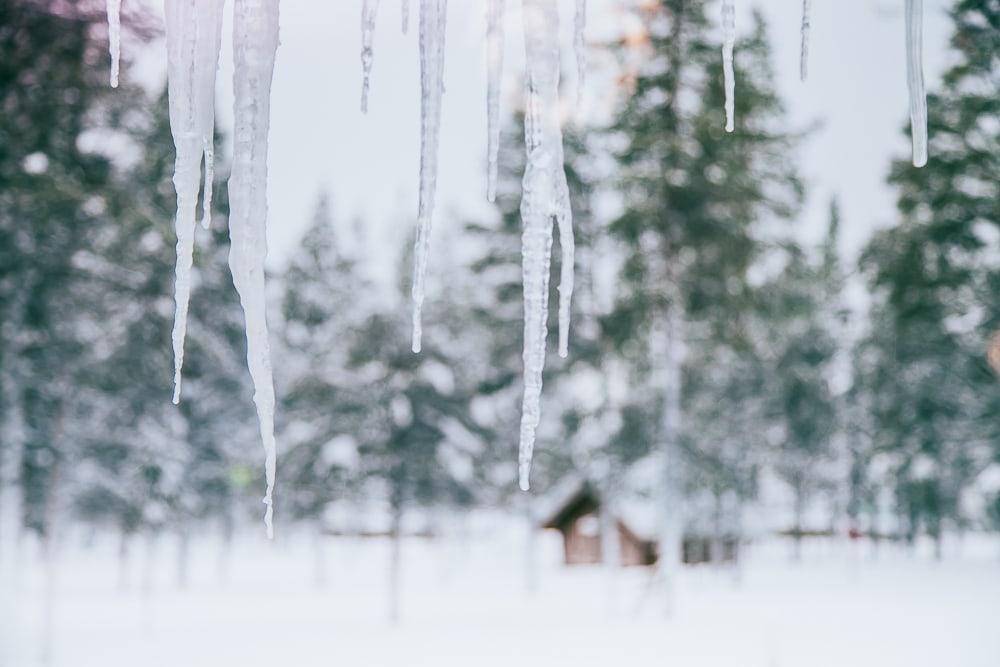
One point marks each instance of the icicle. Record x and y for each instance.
(494, 46)
(114, 8)
(255, 41)
(206, 68)
(579, 27)
(915, 79)
(368, 11)
(433, 15)
(804, 50)
(545, 196)
(728, 44)
(193, 38)
(406, 16)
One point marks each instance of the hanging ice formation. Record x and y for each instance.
(255, 41)
(579, 28)
(406, 16)
(545, 196)
(115, 37)
(728, 44)
(193, 38)
(368, 11)
(915, 79)
(433, 15)
(804, 48)
(494, 66)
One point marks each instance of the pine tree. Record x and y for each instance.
(697, 203)
(56, 192)
(159, 465)
(799, 334)
(933, 396)
(325, 301)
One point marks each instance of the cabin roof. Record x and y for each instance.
(569, 502)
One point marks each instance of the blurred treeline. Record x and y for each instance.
(710, 346)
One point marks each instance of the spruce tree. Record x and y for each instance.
(934, 278)
(701, 208)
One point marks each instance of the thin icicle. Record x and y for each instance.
(368, 11)
(433, 15)
(206, 68)
(206, 196)
(114, 8)
(255, 41)
(494, 46)
(545, 196)
(804, 49)
(728, 44)
(192, 28)
(406, 16)
(915, 79)
(579, 28)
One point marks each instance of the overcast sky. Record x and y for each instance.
(368, 164)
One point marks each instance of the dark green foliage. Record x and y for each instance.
(922, 367)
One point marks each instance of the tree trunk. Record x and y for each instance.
(148, 562)
(667, 349)
(183, 557)
(395, 563)
(717, 537)
(610, 544)
(319, 554)
(799, 520)
(47, 638)
(124, 540)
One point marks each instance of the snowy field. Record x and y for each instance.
(465, 602)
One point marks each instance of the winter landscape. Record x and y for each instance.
(547, 331)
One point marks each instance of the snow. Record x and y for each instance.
(368, 12)
(114, 8)
(255, 41)
(494, 68)
(193, 39)
(464, 602)
(728, 44)
(545, 195)
(433, 16)
(804, 48)
(915, 79)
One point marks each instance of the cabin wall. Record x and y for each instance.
(582, 544)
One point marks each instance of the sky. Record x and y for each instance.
(856, 96)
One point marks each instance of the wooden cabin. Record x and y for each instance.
(578, 521)
(577, 518)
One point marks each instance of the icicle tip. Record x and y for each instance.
(269, 516)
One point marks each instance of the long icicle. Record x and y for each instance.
(728, 44)
(114, 8)
(368, 11)
(209, 44)
(192, 30)
(804, 46)
(545, 196)
(255, 42)
(405, 16)
(579, 46)
(433, 15)
(494, 55)
(915, 79)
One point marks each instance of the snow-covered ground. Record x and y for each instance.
(464, 602)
